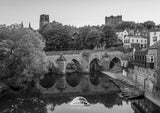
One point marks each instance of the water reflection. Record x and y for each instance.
(99, 103)
(73, 79)
(61, 104)
(48, 80)
(145, 106)
(95, 77)
(30, 104)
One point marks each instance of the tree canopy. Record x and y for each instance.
(56, 36)
(22, 56)
(110, 37)
(149, 25)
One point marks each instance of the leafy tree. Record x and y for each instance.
(139, 26)
(149, 25)
(80, 41)
(158, 26)
(92, 39)
(56, 36)
(126, 25)
(110, 38)
(22, 58)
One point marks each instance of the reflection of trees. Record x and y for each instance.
(73, 79)
(16, 104)
(30, 104)
(107, 100)
(58, 100)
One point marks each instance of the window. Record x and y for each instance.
(154, 33)
(132, 40)
(148, 58)
(135, 56)
(142, 57)
(152, 58)
(137, 40)
(154, 39)
(141, 40)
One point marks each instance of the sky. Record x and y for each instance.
(77, 12)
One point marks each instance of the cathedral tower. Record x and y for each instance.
(44, 19)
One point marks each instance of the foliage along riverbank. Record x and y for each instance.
(22, 58)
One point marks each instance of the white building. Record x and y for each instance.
(154, 36)
(121, 34)
(135, 42)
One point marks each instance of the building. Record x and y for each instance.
(146, 69)
(113, 20)
(154, 36)
(136, 42)
(121, 34)
(2, 25)
(15, 26)
(44, 19)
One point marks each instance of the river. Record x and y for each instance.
(98, 103)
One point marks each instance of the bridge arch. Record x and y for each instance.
(72, 77)
(73, 65)
(115, 64)
(95, 65)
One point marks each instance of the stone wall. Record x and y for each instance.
(143, 76)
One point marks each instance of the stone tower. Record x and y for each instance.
(113, 20)
(44, 19)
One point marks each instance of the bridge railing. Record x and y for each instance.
(78, 52)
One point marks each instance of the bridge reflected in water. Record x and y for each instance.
(94, 82)
(60, 102)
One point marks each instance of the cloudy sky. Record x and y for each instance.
(78, 12)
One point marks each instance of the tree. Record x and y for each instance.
(126, 25)
(149, 25)
(56, 36)
(23, 57)
(139, 26)
(110, 38)
(81, 41)
(92, 39)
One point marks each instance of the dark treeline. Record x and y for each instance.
(61, 37)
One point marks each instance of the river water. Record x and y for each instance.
(98, 103)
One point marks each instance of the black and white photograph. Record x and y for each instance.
(79, 56)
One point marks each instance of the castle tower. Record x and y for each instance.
(44, 19)
(113, 20)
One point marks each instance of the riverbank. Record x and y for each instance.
(119, 76)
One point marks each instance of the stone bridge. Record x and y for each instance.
(84, 59)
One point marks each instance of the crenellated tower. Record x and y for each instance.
(44, 19)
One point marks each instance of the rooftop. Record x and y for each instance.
(136, 36)
(155, 30)
(155, 45)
